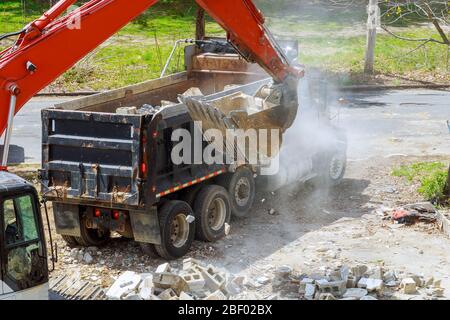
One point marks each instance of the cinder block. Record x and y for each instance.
(167, 294)
(213, 279)
(303, 283)
(190, 263)
(408, 285)
(336, 288)
(194, 281)
(169, 280)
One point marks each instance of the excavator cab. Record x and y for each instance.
(23, 254)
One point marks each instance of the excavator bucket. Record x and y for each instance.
(239, 114)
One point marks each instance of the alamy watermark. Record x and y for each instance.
(258, 147)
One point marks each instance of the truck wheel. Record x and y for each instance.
(149, 249)
(190, 194)
(331, 171)
(92, 237)
(241, 187)
(212, 210)
(337, 166)
(177, 234)
(70, 241)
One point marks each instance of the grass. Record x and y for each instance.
(335, 42)
(431, 176)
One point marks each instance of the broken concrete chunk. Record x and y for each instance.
(368, 298)
(374, 284)
(362, 283)
(303, 284)
(351, 282)
(310, 290)
(408, 286)
(167, 294)
(217, 295)
(185, 296)
(437, 283)
(127, 282)
(126, 110)
(359, 271)
(326, 296)
(165, 267)
(169, 280)
(146, 293)
(87, 258)
(357, 293)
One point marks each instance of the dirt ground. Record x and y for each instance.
(312, 229)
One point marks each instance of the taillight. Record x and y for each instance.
(144, 155)
(97, 213)
(116, 215)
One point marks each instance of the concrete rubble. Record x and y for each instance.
(355, 283)
(195, 281)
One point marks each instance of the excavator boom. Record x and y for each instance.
(52, 44)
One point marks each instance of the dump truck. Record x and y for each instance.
(108, 157)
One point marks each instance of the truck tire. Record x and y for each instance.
(189, 195)
(92, 237)
(331, 170)
(177, 234)
(241, 187)
(336, 167)
(70, 241)
(149, 250)
(212, 210)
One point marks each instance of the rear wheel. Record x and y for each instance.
(177, 233)
(241, 188)
(331, 171)
(92, 237)
(149, 249)
(212, 210)
(70, 241)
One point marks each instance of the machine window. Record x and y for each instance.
(25, 261)
(19, 220)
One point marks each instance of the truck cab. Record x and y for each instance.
(23, 254)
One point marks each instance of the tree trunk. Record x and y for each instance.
(200, 24)
(372, 23)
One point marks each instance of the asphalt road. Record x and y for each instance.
(384, 123)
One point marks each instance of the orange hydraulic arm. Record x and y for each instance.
(50, 45)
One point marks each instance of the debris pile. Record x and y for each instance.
(410, 214)
(194, 282)
(355, 283)
(363, 283)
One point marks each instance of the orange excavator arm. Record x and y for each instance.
(52, 44)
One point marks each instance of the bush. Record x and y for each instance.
(432, 177)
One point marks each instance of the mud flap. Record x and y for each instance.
(145, 225)
(67, 219)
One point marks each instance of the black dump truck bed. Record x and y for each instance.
(92, 156)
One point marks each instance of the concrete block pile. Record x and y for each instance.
(364, 283)
(195, 281)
